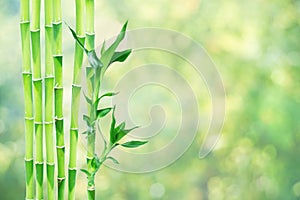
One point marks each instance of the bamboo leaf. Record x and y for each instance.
(120, 56)
(109, 94)
(102, 48)
(133, 144)
(103, 112)
(86, 172)
(121, 133)
(88, 100)
(84, 132)
(108, 54)
(87, 120)
(77, 39)
(95, 163)
(113, 159)
(112, 127)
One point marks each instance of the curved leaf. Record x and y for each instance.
(133, 144)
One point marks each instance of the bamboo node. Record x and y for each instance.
(59, 118)
(49, 77)
(35, 30)
(29, 118)
(76, 85)
(37, 79)
(57, 23)
(52, 164)
(26, 73)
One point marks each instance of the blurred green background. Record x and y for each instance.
(256, 47)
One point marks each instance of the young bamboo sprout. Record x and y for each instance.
(49, 86)
(76, 88)
(95, 74)
(58, 93)
(38, 96)
(28, 101)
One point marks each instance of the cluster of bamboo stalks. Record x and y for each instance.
(43, 96)
(42, 115)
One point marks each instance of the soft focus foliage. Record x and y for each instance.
(255, 45)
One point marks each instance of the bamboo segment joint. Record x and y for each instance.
(25, 22)
(76, 85)
(29, 118)
(35, 30)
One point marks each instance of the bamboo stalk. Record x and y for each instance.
(58, 94)
(28, 99)
(76, 89)
(90, 41)
(49, 87)
(38, 96)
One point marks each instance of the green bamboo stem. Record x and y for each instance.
(49, 87)
(58, 93)
(90, 42)
(76, 89)
(38, 96)
(28, 101)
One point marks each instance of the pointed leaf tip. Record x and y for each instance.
(134, 144)
(76, 38)
(103, 112)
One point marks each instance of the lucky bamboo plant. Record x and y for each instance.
(36, 121)
(94, 75)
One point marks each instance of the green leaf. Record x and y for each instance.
(123, 132)
(133, 144)
(77, 39)
(108, 54)
(120, 127)
(87, 120)
(88, 100)
(95, 163)
(94, 61)
(120, 56)
(102, 48)
(103, 112)
(84, 132)
(112, 127)
(113, 159)
(109, 94)
(86, 172)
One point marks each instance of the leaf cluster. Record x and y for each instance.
(95, 73)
